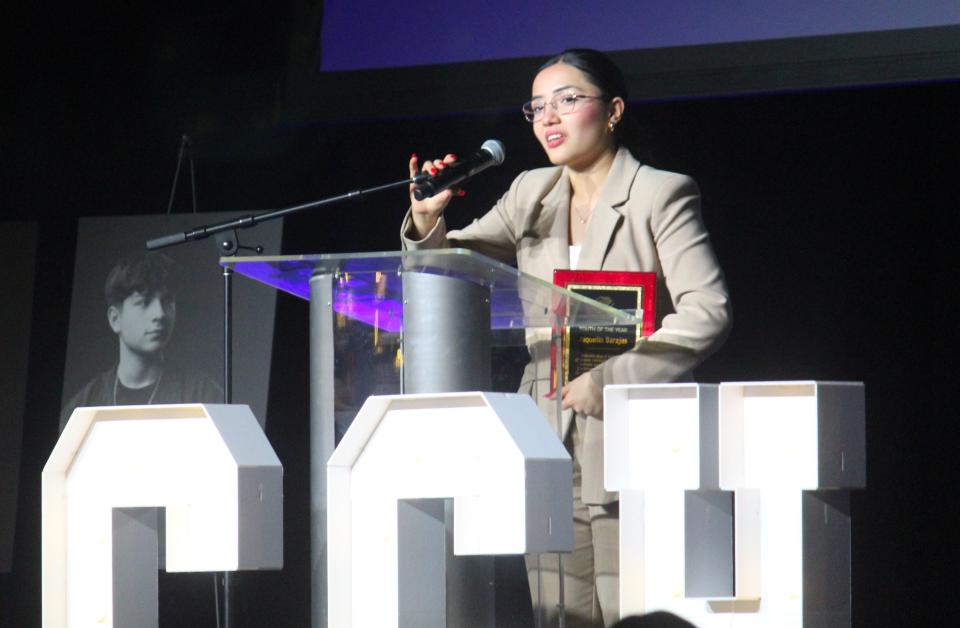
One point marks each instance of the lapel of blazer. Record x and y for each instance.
(606, 214)
(555, 204)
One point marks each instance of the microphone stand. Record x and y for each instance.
(228, 245)
(245, 222)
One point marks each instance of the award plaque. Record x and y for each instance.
(585, 348)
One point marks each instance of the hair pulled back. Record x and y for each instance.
(606, 76)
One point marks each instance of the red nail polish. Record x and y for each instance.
(433, 171)
(461, 192)
(413, 155)
(452, 156)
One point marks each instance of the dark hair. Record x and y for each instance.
(657, 619)
(606, 76)
(147, 273)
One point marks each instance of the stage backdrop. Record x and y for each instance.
(16, 277)
(366, 34)
(193, 357)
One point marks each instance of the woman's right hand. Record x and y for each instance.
(425, 213)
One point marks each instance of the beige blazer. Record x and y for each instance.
(644, 220)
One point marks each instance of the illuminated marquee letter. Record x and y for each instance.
(676, 525)
(788, 451)
(208, 468)
(492, 455)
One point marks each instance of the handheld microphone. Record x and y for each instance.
(490, 154)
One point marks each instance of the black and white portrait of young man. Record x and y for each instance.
(140, 295)
(146, 327)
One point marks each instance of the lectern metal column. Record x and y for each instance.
(446, 334)
(321, 436)
(446, 348)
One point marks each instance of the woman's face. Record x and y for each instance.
(578, 138)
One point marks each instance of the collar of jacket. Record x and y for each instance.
(606, 213)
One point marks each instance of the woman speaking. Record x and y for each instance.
(597, 208)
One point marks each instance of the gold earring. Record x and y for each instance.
(612, 125)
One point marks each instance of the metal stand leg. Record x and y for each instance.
(562, 617)
(538, 603)
(227, 398)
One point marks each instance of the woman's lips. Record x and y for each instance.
(554, 139)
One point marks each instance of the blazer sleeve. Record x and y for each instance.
(494, 234)
(702, 314)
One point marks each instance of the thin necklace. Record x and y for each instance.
(580, 217)
(156, 385)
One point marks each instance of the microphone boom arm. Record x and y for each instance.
(245, 222)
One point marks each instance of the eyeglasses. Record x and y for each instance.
(561, 103)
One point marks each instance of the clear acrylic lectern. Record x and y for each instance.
(406, 322)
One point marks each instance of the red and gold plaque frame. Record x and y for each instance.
(586, 347)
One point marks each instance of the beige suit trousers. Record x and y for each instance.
(592, 571)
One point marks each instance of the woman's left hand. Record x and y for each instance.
(583, 395)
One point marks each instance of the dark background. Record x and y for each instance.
(829, 169)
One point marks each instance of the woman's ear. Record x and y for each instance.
(617, 107)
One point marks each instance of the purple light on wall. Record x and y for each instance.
(365, 34)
